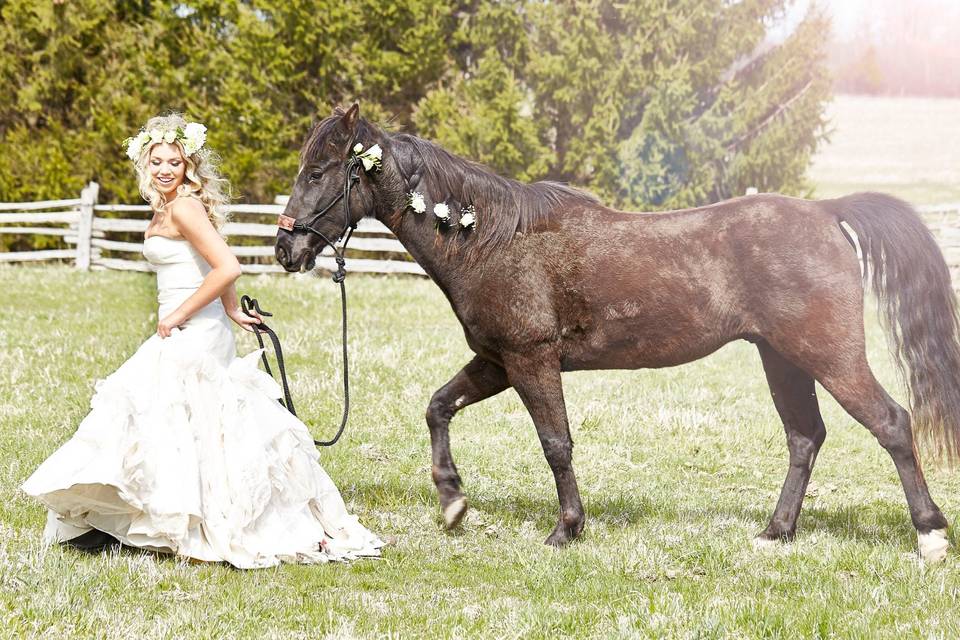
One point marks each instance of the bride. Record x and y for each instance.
(186, 449)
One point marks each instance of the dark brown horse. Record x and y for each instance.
(550, 280)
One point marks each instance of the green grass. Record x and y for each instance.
(679, 468)
(909, 147)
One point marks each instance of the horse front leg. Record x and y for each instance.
(478, 380)
(536, 378)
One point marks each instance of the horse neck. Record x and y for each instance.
(417, 232)
(419, 238)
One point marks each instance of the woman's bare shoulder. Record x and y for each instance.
(188, 213)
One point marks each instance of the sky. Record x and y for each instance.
(936, 19)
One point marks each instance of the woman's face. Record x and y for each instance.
(167, 167)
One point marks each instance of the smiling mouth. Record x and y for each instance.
(164, 181)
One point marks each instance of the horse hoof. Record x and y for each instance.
(762, 543)
(557, 540)
(933, 545)
(453, 513)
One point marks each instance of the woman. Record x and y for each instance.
(186, 449)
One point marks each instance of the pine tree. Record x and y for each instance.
(648, 104)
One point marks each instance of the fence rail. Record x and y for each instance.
(376, 245)
(374, 249)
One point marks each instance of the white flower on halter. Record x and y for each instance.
(468, 217)
(416, 202)
(370, 158)
(442, 211)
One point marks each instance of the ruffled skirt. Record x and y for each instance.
(187, 451)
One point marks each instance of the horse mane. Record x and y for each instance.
(504, 206)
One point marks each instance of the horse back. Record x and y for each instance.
(622, 290)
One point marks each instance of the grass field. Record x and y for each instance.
(679, 468)
(909, 147)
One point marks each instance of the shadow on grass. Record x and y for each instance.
(875, 521)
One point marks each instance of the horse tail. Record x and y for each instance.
(911, 281)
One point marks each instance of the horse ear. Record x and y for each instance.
(349, 119)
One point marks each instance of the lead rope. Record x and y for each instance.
(246, 302)
(249, 304)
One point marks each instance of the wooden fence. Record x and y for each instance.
(373, 245)
(373, 248)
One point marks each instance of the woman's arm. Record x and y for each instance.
(190, 220)
(234, 312)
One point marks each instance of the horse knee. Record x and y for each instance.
(804, 449)
(439, 411)
(895, 434)
(558, 451)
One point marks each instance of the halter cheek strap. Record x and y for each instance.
(295, 225)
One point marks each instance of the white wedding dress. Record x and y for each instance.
(186, 450)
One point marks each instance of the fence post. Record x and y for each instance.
(88, 198)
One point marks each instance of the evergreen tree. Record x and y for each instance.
(648, 104)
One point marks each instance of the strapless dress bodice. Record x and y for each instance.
(180, 271)
(178, 264)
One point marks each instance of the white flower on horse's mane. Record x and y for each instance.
(442, 211)
(192, 137)
(370, 158)
(468, 217)
(416, 202)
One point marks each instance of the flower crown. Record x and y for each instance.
(191, 137)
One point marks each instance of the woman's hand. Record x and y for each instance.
(246, 322)
(173, 321)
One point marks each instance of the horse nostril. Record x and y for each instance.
(281, 255)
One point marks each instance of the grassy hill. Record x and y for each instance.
(909, 147)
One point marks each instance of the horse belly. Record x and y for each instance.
(641, 343)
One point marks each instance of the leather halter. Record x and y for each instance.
(306, 223)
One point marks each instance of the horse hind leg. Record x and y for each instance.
(478, 380)
(794, 395)
(859, 393)
(845, 374)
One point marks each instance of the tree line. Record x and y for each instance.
(648, 104)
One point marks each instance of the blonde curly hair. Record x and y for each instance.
(201, 180)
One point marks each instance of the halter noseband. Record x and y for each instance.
(295, 224)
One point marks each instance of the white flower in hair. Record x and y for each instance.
(357, 148)
(467, 220)
(135, 145)
(416, 202)
(194, 136)
(442, 211)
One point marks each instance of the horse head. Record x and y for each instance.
(332, 191)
